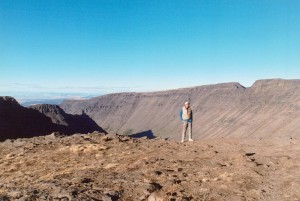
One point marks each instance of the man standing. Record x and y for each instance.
(186, 116)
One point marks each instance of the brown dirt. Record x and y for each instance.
(112, 167)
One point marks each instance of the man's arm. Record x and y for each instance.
(180, 114)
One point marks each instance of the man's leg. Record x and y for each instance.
(190, 131)
(184, 128)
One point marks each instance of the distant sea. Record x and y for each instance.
(27, 99)
(29, 102)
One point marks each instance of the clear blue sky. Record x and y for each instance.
(105, 46)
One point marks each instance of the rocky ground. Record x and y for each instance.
(111, 167)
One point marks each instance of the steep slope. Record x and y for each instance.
(17, 121)
(268, 108)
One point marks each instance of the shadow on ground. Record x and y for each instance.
(149, 134)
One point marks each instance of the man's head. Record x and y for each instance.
(186, 104)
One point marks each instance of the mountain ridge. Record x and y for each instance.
(269, 107)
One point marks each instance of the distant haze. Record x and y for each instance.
(30, 98)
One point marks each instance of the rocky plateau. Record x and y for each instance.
(112, 167)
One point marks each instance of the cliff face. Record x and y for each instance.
(67, 123)
(54, 112)
(17, 121)
(268, 108)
